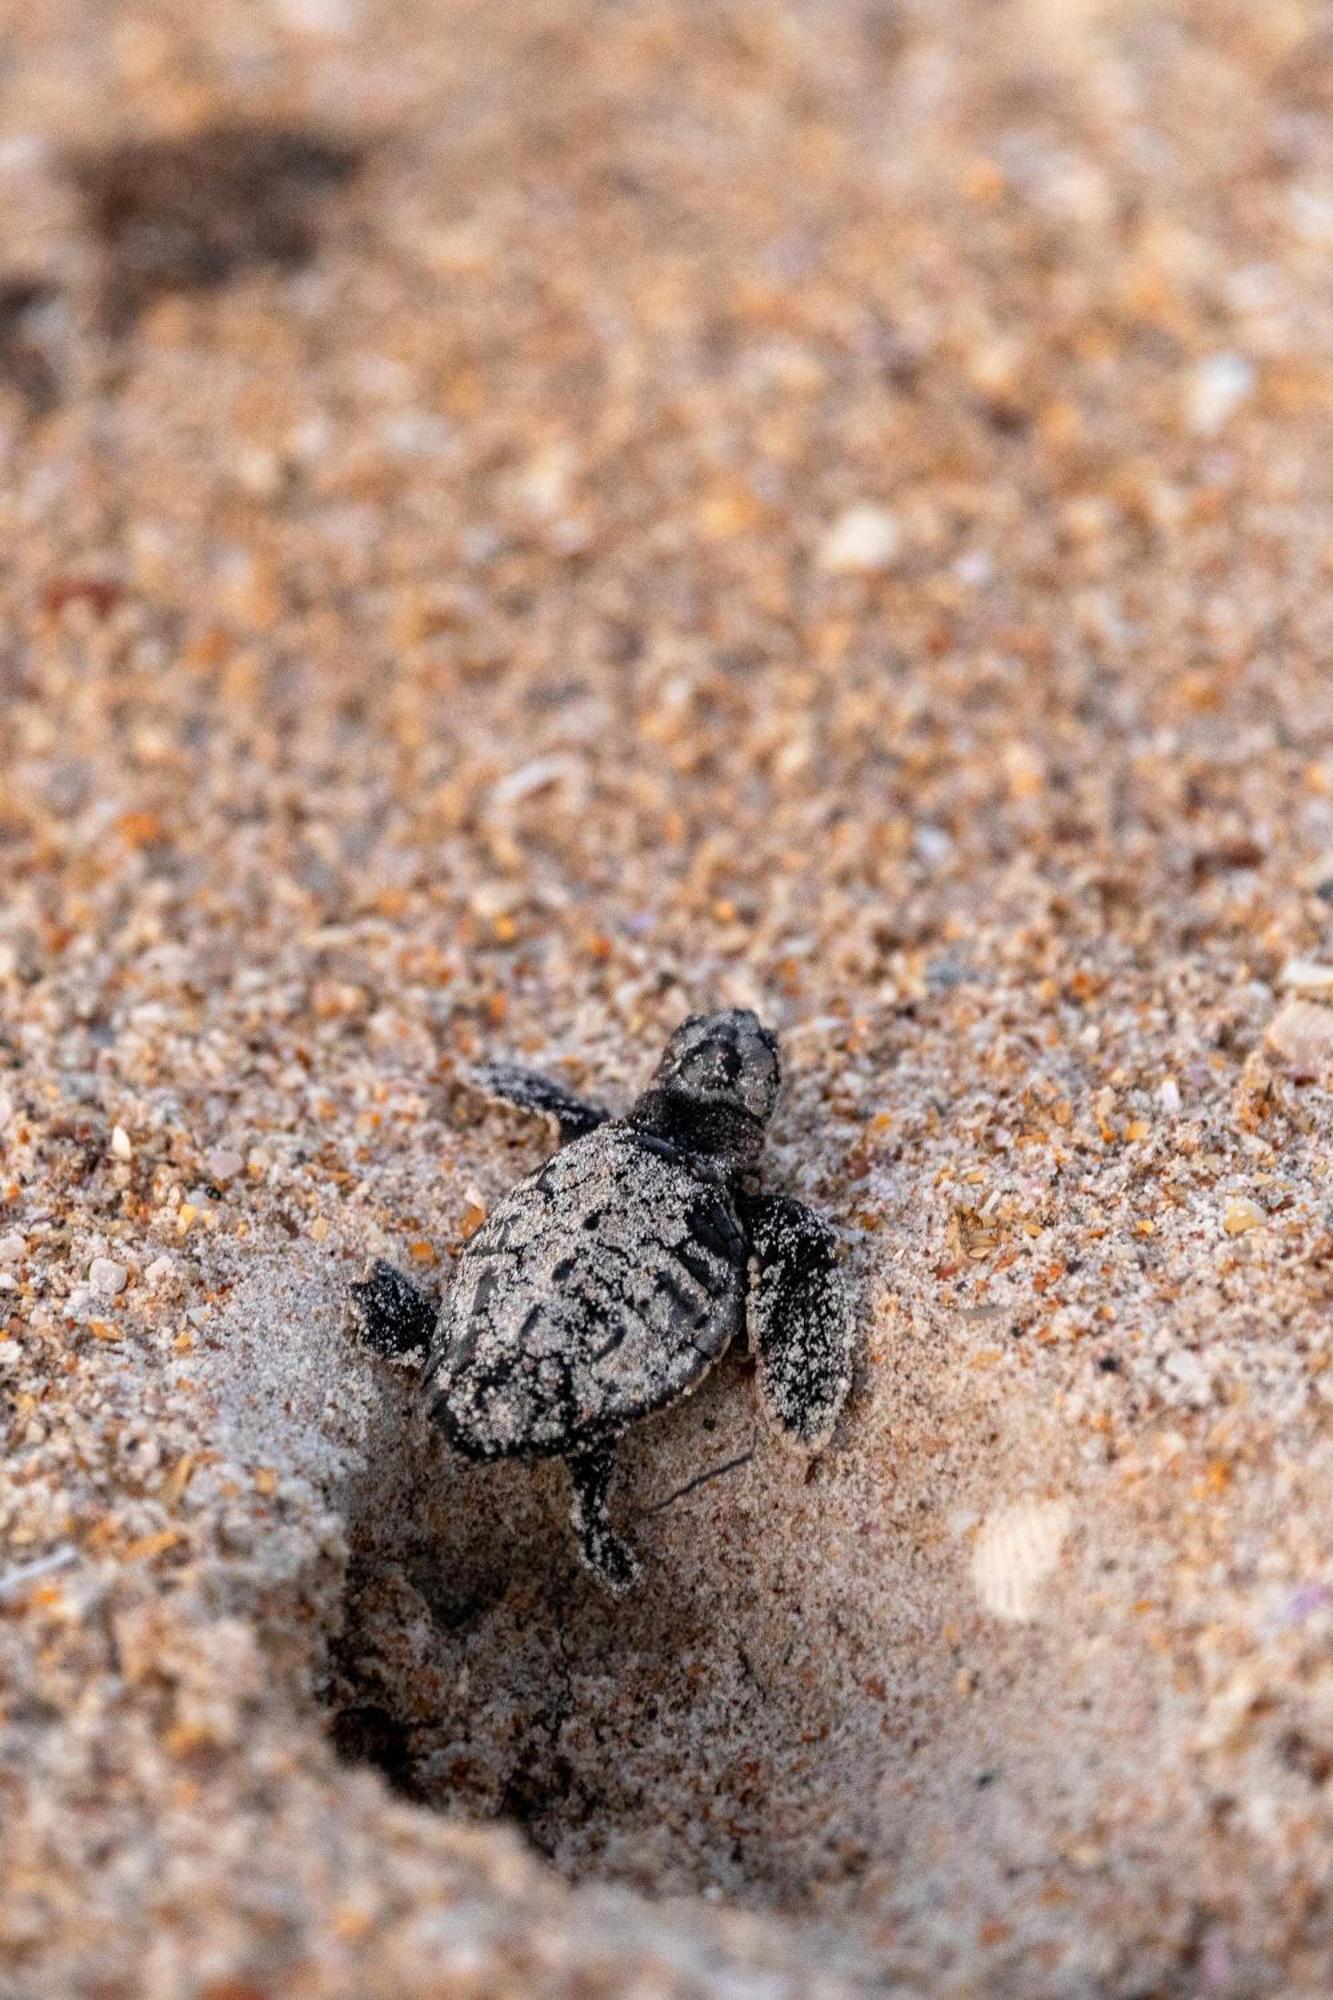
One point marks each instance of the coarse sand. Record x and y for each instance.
(516, 523)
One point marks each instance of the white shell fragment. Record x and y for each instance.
(862, 540)
(1017, 1549)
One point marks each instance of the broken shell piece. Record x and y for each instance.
(1017, 1549)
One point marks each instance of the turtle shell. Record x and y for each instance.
(599, 1289)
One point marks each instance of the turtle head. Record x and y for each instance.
(715, 1088)
(729, 1059)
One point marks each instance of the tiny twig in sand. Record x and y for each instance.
(700, 1479)
(46, 1565)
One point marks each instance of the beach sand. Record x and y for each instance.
(518, 523)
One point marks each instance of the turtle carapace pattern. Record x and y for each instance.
(605, 1285)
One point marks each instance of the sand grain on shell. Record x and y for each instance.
(518, 524)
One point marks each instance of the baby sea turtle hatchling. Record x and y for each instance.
(605, 1285)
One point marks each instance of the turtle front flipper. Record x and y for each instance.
(531, 1091)
(601, 1550)
(396, 1316)
(800, 1323)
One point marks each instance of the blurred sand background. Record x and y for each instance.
(517, 521)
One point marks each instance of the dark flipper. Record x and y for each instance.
(396, 1315)
(600, 1549)
(799, 1320)
(531, 1091)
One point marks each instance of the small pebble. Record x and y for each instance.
(932, 843)
(223, 1164)
(1241, 1214)
(12, 1247)
(863, 540)
(974, 568)
(1214, 390)
(1307, 975)
(1168, 1096)
(1301, 1033)
(334, 18)
(120, 1143)
(107, 1278)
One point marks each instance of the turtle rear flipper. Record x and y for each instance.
(799, 1321)
(397, 1317)
(601, 1550)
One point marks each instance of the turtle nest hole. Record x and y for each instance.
(677, 1740)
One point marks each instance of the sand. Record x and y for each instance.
(518, 523)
